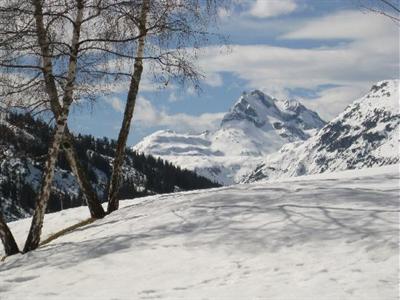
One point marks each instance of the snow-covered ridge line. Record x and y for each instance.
(344, 174)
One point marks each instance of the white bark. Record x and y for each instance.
(115, 181)
(33, 239)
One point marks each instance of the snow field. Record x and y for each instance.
(333, 236)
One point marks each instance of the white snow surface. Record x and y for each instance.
(255, 126)
(330, 236)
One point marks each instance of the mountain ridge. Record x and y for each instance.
(365, 134)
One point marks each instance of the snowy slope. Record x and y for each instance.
(319, 237)
(366, 134)
(256, 125)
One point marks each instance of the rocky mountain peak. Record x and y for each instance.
(258, 108)
(289, 118)
(366, 134)
(251, 107)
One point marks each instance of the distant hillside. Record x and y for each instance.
(23, 147)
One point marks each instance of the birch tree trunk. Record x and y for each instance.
(115, 181)
(35, 231)
(10, 246)
(94, 205)
(93, 202)
(33, 239)
(95, 208)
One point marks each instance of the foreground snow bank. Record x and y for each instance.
(329, 237)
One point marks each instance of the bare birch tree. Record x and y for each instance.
(54, 53)
(33, 239)
(171, 33)
(51, 54)
(36, 86)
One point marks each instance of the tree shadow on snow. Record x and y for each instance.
(240, 220)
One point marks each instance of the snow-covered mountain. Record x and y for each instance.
(255, 126)
(258, 124)
(327, 236)
(366, 134)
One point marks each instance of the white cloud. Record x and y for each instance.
(190, 90)
(224, 12)
(343, 25)
(116, 104)
(173, 97)
(370, 54)
(332, 101)
(146, 115)
(279, 67)
(272, 8)
(214, 80)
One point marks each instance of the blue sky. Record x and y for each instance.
(325, 53)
